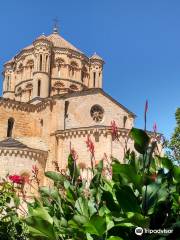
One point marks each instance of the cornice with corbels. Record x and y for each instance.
(33, 154)
(27, 107)
(79, 132)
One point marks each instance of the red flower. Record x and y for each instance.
(114, 130)
(17, 179)
(90, 146)
(74, 154)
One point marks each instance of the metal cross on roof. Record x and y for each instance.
(55, 25)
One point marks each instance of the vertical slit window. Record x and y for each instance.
(59, 70)
(40, 63)
(124, 121)
(94, 79)
(8, 83)
(10, 127)
(46, 63)
(39, 88)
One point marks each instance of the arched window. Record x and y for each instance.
(39, 88)
(73, 68)
(83, 74)
(40, 63)
(30, 66)
(59, 62)
(10, 127)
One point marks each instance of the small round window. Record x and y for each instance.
(97, 113)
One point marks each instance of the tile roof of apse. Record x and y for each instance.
(11, 143)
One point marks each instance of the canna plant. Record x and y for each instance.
(144, 192)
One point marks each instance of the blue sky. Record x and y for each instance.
(139, 41)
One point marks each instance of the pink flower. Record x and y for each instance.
(74, 154)
(90, 145)
(155, 128)
(17, 179)
(35, 170)
(114, 130)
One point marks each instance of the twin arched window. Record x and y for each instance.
(73, 68)
(58, 63)
(30, 66)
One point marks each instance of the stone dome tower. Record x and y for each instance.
(50, 66)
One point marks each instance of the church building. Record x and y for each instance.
(52, 101)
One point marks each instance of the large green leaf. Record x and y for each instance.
(107, 197)
(128, 173)
(127, 199)
(150, 197)
(56, 177)
(41, 223)
(96, 225)
(82, 206)
(141, 140)
(73, 169)
(50, 192)
(138, 219)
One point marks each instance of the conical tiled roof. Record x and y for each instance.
(57, 41)
(96, 56)
(60, 42)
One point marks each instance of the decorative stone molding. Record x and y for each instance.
(31, 153)
(78, 132)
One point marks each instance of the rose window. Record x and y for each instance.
(97, 113)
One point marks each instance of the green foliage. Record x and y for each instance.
(12, 226)
(110, 208)
(174, 144)
(143, 193)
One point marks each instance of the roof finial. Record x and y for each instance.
(55, 26)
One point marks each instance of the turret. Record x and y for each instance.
(96, 71)
(8, 86)
(41, 76)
